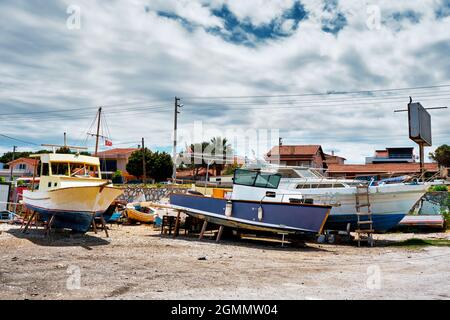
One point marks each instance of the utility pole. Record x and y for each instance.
(65, 139)
(280, 144)
(12, 166)
(175, 126)
(144, 175)
(98, 130)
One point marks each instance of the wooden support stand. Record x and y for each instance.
(177, 225)
(205, 224)
(33, 214)
(219, 234)
(103, 222)
(48, 227)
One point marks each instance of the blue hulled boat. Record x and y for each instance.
(263, 215)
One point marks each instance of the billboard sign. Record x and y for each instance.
(419, 124)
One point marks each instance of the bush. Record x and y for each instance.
(440, 187)
(117, 177)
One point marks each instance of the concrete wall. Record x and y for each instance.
(133, 192)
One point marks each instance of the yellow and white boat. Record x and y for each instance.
(71, 189)
(140, 212)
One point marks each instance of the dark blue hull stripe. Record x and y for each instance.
(381, 222)
(78, 221)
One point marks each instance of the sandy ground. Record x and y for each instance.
(137, 263)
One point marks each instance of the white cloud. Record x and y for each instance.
(123, 53)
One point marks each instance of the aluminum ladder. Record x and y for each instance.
(364, 229)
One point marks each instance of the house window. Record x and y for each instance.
(21, 166)
(108, 165)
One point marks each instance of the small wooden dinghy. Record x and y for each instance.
(137, 212)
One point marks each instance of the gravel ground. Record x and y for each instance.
(136, 263)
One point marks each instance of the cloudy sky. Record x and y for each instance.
(318, 72)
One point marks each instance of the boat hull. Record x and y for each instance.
(276, 217)
(136, 215)
(381, 222)
(73, 208)
(389, 205)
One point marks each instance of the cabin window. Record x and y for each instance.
(92, 171)
(45, 170)
(77, 170)
(60, 169)
(256, 179)
(267, 181)
(339, 185)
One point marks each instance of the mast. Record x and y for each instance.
(97, 136)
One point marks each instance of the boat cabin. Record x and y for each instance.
(64, 170)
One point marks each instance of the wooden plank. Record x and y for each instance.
(219, 235)
(205, 224)
(29, 222)
(177, 225)
(94, 224)
(102, 219)
(49, 226)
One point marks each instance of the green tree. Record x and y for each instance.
(63, 150)
(220, 150)
(66, 150)
(442, 155)
(134, 165)
(229, 169)
(161, 166)
(193, 159)
(158, 166)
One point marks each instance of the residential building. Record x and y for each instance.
(334, 159)
(379, 170)
(115, 159)
(298, 155)
(22, 167)
(393, 155)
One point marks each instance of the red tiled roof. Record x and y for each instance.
(190, 173)
(116, 151)
(300, 150)
(28, 161)
(330, 156)
(381, 168)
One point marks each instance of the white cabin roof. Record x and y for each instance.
(72, 158)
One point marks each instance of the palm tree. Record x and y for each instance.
(220, 149)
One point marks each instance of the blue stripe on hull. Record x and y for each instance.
(304, 217)
(381, 222)
(76, 221)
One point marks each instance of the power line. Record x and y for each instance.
(18, 140)
(318, 94)
(75, 109)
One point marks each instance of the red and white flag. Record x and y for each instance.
(108, 143)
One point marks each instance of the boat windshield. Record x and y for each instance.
(74, 170)
(256, 179)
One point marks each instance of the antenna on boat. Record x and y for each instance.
(97, 136)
